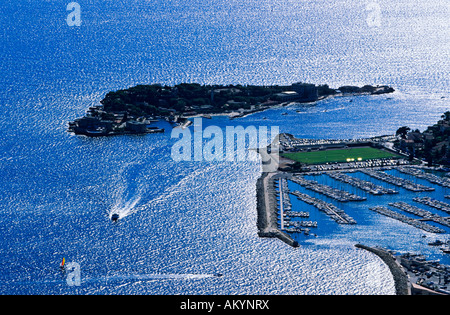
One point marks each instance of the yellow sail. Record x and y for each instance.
(63, 262)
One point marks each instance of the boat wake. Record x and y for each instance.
(181, 186)
(130, 278)
(125, 208)
(150, 277)
(127, 198)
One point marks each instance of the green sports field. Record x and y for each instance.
(340, 155)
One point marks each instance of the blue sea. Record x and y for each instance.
(182, 223)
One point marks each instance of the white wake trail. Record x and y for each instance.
(125, 207)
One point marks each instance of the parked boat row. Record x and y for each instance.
(332, 211)
(296, 214)
(284, 190)
(421, 213)
(336, 194)
(441, 181)
(306, 231)
(299, 224)
(287, 214)
(362, 184)
(440, 205)
(397, 181)
(403, 218)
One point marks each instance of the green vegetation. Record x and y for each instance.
(144, 100)
(432, 145)
(341, 155)
(159, 100)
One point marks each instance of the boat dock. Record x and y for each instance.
(296, 214)
(362, 184)
(440, 205)
(441, 181)
(426, 215)
(300, 224)
(403, 218)
(336, 194)
(332, 211)
(397, 181)
(286, 213)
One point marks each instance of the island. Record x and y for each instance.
(132, 110)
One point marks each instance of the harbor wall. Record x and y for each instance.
(267, 213)
(400, 278)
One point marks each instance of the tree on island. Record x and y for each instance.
(403, 132)
(446, 116)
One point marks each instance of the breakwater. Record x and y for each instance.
(400, 277)
(266, 206)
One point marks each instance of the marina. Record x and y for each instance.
(362, 184)
(397, 181)
(433, 203)
(299, 224)
(329, 209)
(343, 186)
(286, 213)
(416, 172)
(336, 194)
(426, 215)
(403, 218)
(296, 214)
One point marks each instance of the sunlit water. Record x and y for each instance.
(183, 223)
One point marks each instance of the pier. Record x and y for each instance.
(300, 224)
(361, 184)
(332, 211)
(336, 194)
(403, 218)
(444, 182)
(440, 205)
(286, 213)
(426, 215)
(397, 181)
(296, 214)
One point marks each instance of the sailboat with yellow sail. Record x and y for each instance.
(63, 263)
